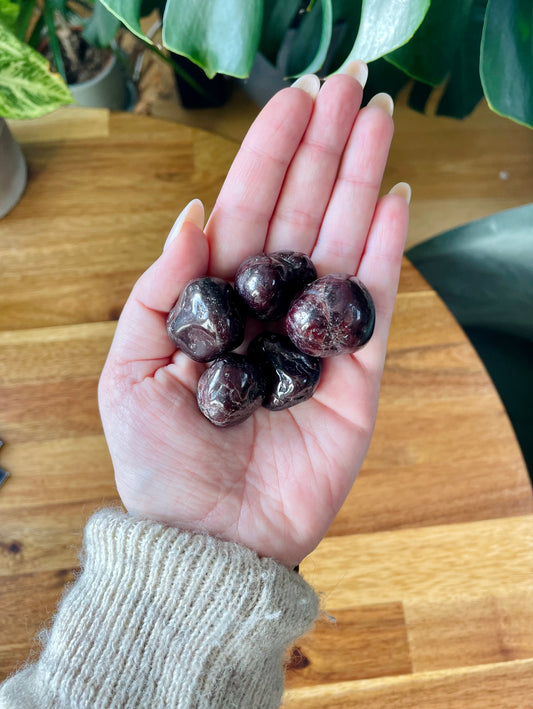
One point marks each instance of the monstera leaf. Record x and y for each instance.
(27, 87)
(220, 36)
(130, 13)
(312, 40)
(386, 25)
(468, 47)
(102, 26)
(507, 59)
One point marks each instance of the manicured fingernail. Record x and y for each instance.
(383, 101)
(193, 212)
(402, 189)
(310, 83)
(358, 70)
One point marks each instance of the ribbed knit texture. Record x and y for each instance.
(164, 618)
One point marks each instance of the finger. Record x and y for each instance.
(238, 225)
(380, 269)
(349, 214)
(141, 342)
(349, 385)
(311, 175)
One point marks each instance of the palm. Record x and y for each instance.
(275, 482)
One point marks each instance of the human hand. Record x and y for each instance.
(306, 178)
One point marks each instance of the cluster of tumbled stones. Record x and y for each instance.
(320, 317)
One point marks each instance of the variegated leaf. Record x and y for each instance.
(28, 88)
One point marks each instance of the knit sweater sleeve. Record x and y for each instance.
(165, 618)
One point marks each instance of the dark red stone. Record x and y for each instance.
(334, 315)
(230, 390)
(268, 282)
(291, 375)
(207, 320)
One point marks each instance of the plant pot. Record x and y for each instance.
(13, 171)
(108, 89)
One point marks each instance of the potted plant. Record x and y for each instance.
(77, 36)
(86, 71)
(28, 89)
(28, 86)
(474, 48)
(78, 39)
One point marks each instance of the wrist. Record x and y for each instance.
(152, 596)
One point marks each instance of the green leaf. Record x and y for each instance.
(383, 76)
(386, 25)
(24, 19)
(484, 273)
(102, 26)
(148, 6)
(312, 40)
(484, 270)
(59, 5)
(27, 87)
(429, 55)
(277, 18)
(35, 37)
(9, 12)
(346, 9)
(306, 39)
(419, 96)
(221, 36)
(464, 90)
(129, 13)
(507, 59)
(346, 20)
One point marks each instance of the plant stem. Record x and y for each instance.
(23, 19)
(35, 36)
(48, 11)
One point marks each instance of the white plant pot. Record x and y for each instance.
(108, 89)
(13, 170)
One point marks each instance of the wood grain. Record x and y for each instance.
(506, 685)
(70, 123)
(428, 567)
(458, 170)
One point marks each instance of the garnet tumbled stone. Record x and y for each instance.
(291, 375)
(230, 390)
(334, 315)
(268, 282)
(207, 320)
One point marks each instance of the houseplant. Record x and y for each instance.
(475, 48)
(28, 86)
(80, 41)
(27, 89)
(78, 38)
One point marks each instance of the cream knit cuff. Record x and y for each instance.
(165, 618)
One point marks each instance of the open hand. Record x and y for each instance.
(306, 178)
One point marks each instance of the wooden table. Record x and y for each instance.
(427, 569)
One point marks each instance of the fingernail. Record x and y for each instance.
(310, 83)
(402, 189)
(383, 101)
(357, 69)
(193, 212)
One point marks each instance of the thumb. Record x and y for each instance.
(141, 339)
